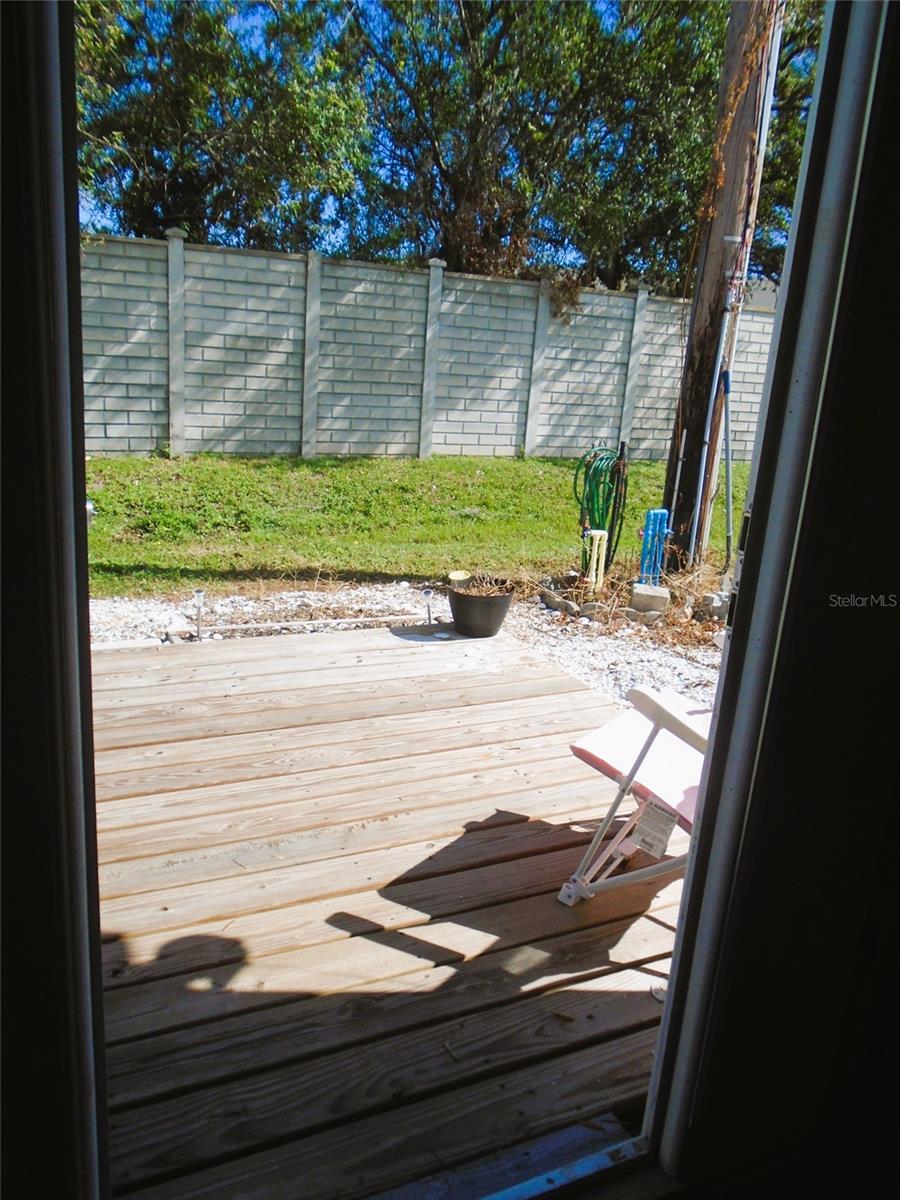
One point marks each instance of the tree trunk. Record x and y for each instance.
(728, 211)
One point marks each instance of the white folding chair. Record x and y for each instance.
(655, 751)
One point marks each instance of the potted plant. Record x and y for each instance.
(479, 604)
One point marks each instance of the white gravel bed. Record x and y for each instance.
(614, 662)
(611, 662)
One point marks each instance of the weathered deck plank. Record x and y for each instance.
(521, 960)
(174, 722)
(191, 1131)
(320, 747)
(407, 1142)
(325, 852)
(359, 726)
(360, 791)
(328, 871)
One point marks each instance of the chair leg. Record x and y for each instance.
(668, 866)
(584, 867)
(576, 887)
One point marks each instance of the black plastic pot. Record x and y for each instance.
(478, 616)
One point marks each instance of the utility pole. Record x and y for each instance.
(727, 220)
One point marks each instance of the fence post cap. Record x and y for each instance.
(175, 232)
(436, 262)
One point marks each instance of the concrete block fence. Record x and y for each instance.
(202, 348)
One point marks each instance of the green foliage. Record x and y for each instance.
(223, 117)
(221, 519)
(474, 108)
(793, 97)
(570, 138)
(629, 194)
(559, 135)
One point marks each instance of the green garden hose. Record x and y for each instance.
(601, 485)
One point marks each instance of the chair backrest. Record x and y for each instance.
(670, 771)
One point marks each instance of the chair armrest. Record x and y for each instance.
(655, 708)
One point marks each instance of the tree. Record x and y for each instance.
(569, 135)
(225, 118)
(474, 105)
(630, 202)
(628, 197)
(728, 217)
(793, 97)
(564, 136)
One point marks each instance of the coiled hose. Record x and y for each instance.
(601, 486)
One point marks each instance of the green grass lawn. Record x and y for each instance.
(214, 521)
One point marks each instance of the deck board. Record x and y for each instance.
(328, 872)
(358, 1157)
(300, 1028)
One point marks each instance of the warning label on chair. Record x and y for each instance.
(654, 828)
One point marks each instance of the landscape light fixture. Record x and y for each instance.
(198, 601)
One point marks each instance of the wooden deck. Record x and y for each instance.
(333, 955)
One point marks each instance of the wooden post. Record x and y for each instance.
(727, 216)
(175, 239)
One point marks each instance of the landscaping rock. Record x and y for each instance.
(712, 606)
(650, 618)
(647, 598)
(642, 618)
(557, 602)
(179, 627)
